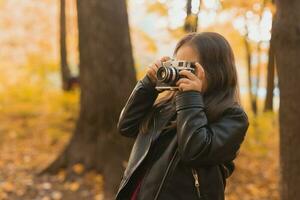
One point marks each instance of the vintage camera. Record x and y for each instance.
(168, 73)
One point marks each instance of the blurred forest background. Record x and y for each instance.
(68, 66)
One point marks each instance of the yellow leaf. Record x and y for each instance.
(61, 175)
(8, 187)
(191, 20)
(74, 186)
(56, 195)
(78, 168)
(158, 8)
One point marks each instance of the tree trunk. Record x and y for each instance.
(107, 77)
(253, 94)
(258, 69)
(249, 69)
(287, 51)
(65, 70)
(270, 76)
(191, 20)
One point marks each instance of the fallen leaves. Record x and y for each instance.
(7, 187)
(32, 134)
(78, 168)
(256, 174)
(72, 186)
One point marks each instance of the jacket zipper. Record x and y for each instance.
(197, 183)
(165, 175)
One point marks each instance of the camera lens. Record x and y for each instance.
(162, 74)
(167, 75)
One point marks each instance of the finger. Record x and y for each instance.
(152, 73)
(154, 68)
(188, 74)
(183, 87)
(158, 63)
(200, 71)
(183, 80)
(165, 58)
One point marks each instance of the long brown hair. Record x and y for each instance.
(217, 59)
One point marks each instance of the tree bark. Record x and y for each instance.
(253, 94)
(65, 70)
(191, 20)
(107, 77)
(287, 51)
(249, 69)
(270, 77)
(258, 71)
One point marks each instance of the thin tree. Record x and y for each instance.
(107, 77)
(191, 20)
(249, 70)
(65, 70)
(270, 75)
(287, 51)
(270, 78)
(253, 91)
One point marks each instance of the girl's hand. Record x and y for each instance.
(152, 68)
(192, 81)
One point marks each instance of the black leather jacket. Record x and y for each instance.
(199, 151)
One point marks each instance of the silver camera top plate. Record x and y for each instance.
(177, 63)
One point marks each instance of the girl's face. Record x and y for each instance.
(187, 53)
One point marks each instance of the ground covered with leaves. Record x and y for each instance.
(37, 121)
(256, 176)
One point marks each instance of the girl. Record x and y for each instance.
(185, 140)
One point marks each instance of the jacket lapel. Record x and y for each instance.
(162, 118)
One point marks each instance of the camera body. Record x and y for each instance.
(168, 73)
